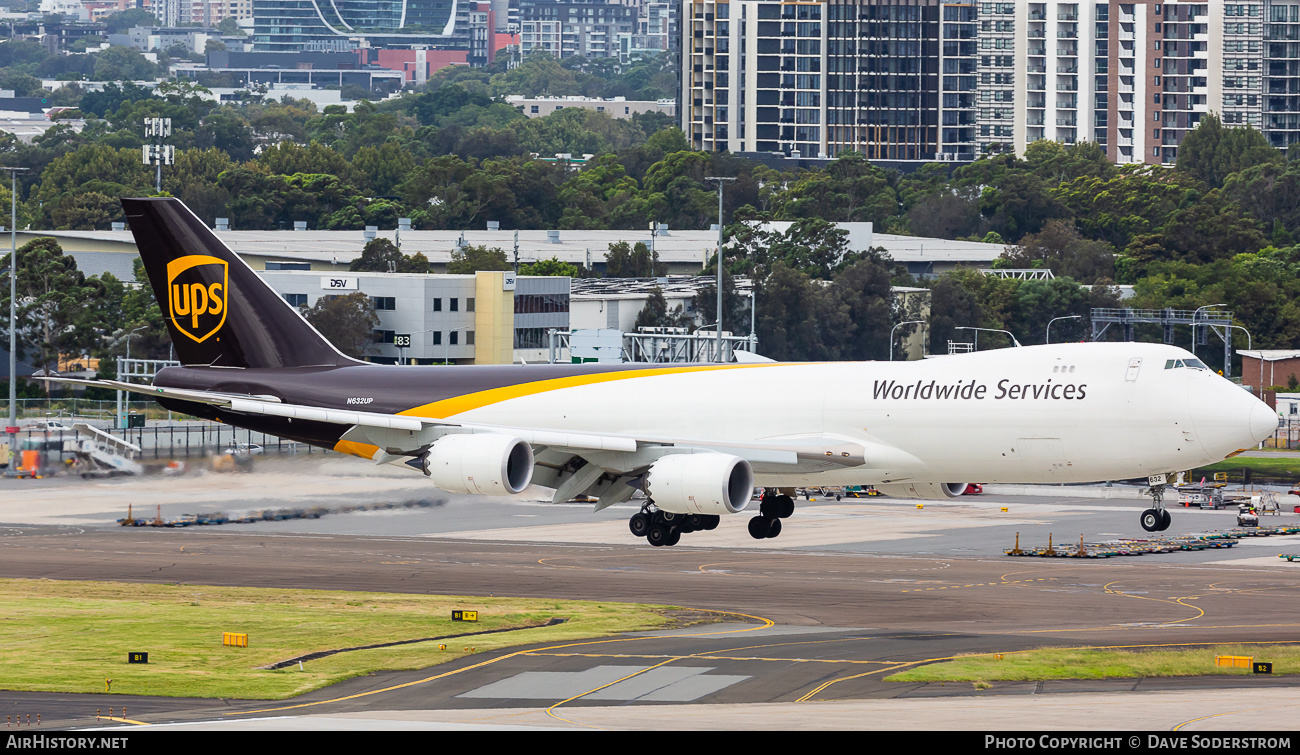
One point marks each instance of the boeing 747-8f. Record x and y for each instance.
(1040, 414)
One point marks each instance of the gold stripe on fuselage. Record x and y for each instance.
(459, 404)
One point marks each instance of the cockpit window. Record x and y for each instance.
(1195, 364)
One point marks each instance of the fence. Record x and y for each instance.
(1287, 435)
(70, 410)
(181, 440)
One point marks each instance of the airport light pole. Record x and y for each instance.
(753, 318)
(1054, 319)
(413, 335)
(1261, 361)
(13, 316)
(1195, 316)
(990, 330)
(123, 397)
(447, 351)
(896, 327)
(721, 182)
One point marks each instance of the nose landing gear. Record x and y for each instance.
(1157, 518)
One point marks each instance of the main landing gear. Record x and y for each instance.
(772, 508)
(1157, 518)
(666, 528)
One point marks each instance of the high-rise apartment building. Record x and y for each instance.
(575, 28)
(936, 80)
(895, 80)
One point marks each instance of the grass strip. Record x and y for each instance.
(1284, 469)
(62, 636)
(1087, 663)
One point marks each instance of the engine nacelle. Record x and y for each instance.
(479, 463)
(927, 490)
(707, 483)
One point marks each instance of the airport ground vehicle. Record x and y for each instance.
(1059, 413)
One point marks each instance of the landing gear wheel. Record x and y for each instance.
(774, 528)
(639, 524)
(693, 523)
(674, 536)
(657, 535)
(711, 521)
(1167, 520)
(777, 507)
(1151, 520)
(758, 527)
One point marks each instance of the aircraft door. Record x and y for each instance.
(1134, 365)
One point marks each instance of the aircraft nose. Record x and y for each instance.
(1226, 417)
(1263, 422)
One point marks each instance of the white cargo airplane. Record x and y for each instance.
(696, 438)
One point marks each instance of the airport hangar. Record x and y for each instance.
(683, 252)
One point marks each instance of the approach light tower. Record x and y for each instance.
(158, 154)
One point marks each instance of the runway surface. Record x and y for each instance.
(809, 623)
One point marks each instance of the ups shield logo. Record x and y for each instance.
(197, 295)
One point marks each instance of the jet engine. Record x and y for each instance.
(706, 483)
(927, 490)
(479, 463)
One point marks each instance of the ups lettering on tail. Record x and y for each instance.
(197, 295)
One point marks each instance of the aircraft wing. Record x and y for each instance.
(397, 435)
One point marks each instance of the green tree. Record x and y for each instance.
(624, 260)
(1062, 249)
(1211, 153)
(471, 259)
(122, 21)
(952, 305)
(380, 255)
(53, 301)
(347, 321)
(1270, 192)
(655, 313)
(848, 189)
(1019, 203)
(123, 64)
(225, 129)
(787, 326)
(735, 307)
(552, 266)
(230, 27)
